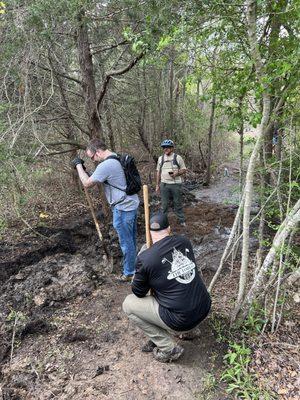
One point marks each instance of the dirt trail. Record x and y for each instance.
(74, 342)
(95, 354)
(226, 189)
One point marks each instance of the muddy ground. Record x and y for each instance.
(61, 311)
(63, 334)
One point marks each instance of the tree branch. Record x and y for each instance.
(70, 142)
(64, 99)
(110, 74)
(291, 221)
(58, 73)
(57, 152)
(47, 120)
(113, 46)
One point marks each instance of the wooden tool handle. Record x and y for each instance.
(146, 211)
(93, 213)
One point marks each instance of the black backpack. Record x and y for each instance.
(132, 176)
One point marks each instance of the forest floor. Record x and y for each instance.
(60, 308)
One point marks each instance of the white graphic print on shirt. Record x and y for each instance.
(182, 268)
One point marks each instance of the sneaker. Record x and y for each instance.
(126, 278)
(148, 347)
(172, 355)
(183, 224)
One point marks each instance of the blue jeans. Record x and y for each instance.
(124, 223)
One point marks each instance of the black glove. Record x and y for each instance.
(77, 161)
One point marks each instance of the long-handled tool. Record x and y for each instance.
(147, 220)
(88, 198)
(146, 211)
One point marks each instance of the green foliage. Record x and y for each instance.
(209, 384)
(2, 7)
(41, 11)
(3, 123)
(16, 319)
(255, 320)
(15, 316)
(237, 375)
(240, 381)
(220, 327)
(164, 42)
(19, 180)
(207, 42)
(288, 188)
(16, 171)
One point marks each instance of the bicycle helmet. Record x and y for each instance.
(167, 143)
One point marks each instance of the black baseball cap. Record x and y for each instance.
(158, 222)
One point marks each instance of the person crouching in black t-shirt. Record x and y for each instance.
(178, 299)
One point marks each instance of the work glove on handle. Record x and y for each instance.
(77, 161)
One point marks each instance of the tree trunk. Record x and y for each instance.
(256, 57)
(88, 79)
(202, 162)
(112, 144)
(70, 134)
(232, 235)
(261, 227)
(171, 90)
(210, 134)
(241, 134)
(241, 182)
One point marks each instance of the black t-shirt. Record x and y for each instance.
(169, 269)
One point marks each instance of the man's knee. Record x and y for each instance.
(128, 304)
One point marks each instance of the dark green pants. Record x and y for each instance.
(169, 191)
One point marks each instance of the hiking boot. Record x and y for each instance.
(125, 278)
(172, 355)
(148, 347)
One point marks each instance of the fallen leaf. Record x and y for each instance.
(282, 391)
(296, 298)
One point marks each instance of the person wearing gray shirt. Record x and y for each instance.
(110, 173)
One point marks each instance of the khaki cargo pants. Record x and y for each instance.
(143, 312)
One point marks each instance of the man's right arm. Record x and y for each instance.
(86, 180)
(181, 167)
(100, 174)
(140, 284)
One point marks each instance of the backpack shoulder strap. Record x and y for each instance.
(113, 157)
(161, 163)
(175, 162)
